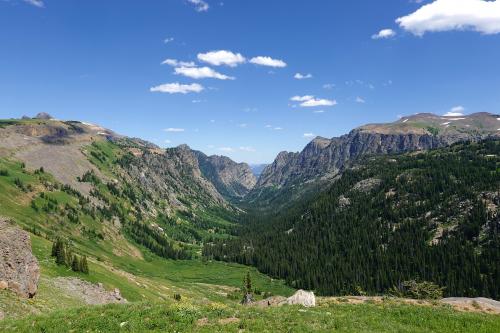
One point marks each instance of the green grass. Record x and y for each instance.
(184, 317)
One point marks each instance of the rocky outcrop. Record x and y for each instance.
(324, 158)
(231, 179)
(302, 297)
(92, 294)
(174, 175)
(19, 270)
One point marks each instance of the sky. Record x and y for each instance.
(246, 79)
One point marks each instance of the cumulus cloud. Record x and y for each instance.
(174, 129)
(199, 5)
(319, 111)
(222, 57)
(455, 111)
(360, 100)
(309, 135)
(329, 86)
(201, 73)
(177, 88)
(301, 98)
(384, 34)
(446, 15)
(168, 40)
(36, 3)
(300, 76)
(311, 101)
(176, 63)
(268, 61)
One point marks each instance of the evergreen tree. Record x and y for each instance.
(75, 265)
(84, 265)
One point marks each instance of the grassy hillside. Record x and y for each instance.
(48, 209)
(389, 316)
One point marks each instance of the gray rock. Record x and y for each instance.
(43, 115)
(302, 297)
(19, 270)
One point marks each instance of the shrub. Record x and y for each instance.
(4, 172)
(177, 297)
(418, 290)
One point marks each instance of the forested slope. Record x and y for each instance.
(430, 216)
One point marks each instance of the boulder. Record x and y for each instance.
(19, 270)
(43, 116)
(302, 297)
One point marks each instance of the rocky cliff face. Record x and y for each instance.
(324, 158)
(174, 174)
(232, 180)
(19, 270)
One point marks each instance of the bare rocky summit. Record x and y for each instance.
(323, 159)
(19, 270)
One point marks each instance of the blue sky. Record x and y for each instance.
(359, 62)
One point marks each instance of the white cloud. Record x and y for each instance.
(268, 126)
(328, 86)
(168, 40)
(248, 149)
(309, 135)
(301, 98)
(199, 5)
(168, 141)
(319, 111)
(360, 100)
(455, 111)
(174, 129)
(300, 76)
(384, 34)
(176, 63)
(243, 125)
(318, 102)
(268, 61)
(201, 73)
(447, 15)
(226, 149)
(222, 57)
(36, 3)
(278, 128)
(311, 101)
(177, 88)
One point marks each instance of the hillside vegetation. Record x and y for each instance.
(430, 216)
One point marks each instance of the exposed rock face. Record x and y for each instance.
(19, 270)
(174, 174)
(232, 180)
(92, 294)
(302, 297)
(323, 158)
(43, 115)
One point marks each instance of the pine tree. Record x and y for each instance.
(60, 254)
(84, 265)
(75, 265)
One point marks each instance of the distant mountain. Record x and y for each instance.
(232, 180)
(322, 159)
(258, 168)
